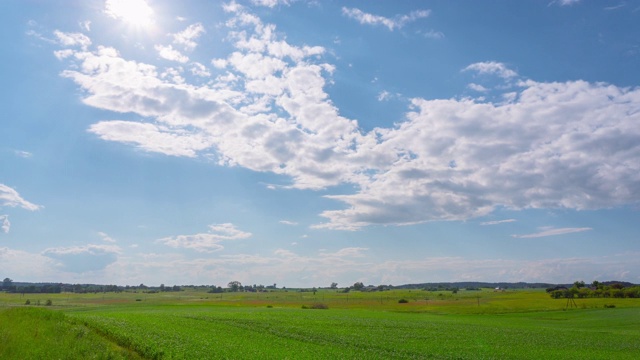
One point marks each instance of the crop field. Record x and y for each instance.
(191, 324)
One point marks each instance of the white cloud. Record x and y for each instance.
(567, 2)
(567, 145)
(169, 53)
(105, 237)
(5, 225)
(552, 232)
(477, 87)
(40, 268)
(23, 154)
(81, 259)
(396, 22)
(72, 39)
(200, 70)
(498, 222)
(187, 37)
(287, 222)
(150, 137)
(85, 25)
(492, 68)
(270, 3)
(10, 197)
(384, 95)
(207, 242)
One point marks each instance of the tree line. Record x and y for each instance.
(9, 286)
(595, 290)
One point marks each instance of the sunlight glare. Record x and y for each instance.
(134, 12)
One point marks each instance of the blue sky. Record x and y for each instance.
(310, 142)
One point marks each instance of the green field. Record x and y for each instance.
(517, 324)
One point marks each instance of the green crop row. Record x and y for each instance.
(190, 332)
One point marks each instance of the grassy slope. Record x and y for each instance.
(37, 333)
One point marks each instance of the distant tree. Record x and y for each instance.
(314, 290)
(596, 284)
(579, 284)
(234, 286)
(358, 286)
(162, 287)
(334, 285)
(6, 283)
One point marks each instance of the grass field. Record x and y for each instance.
(517, 324)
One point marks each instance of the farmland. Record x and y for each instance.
(193, 324)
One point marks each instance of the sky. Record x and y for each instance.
(301, 142)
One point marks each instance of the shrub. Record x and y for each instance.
(403, 301)
(316, 306)
(48, 303)
(609, 306)
(138, 299)
(28, 302)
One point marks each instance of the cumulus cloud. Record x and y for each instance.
(397, 22)
(87, 258)
(10, 197)
(207, 242)
(570, 144)
(187, 37)
(552, 232)
(169, 53)
(72, 39)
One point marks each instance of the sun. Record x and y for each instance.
(133, 12)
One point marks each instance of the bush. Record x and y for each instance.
(316, 306)
(28, 302)
(403, 301)
(48, 303)
(607, 306)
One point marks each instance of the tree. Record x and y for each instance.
(358, 286)
(334, 285)
(234, 286)
(579, 284)
(6, 283)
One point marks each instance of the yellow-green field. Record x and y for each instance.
(191, 324)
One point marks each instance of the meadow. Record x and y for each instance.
(193, 324)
